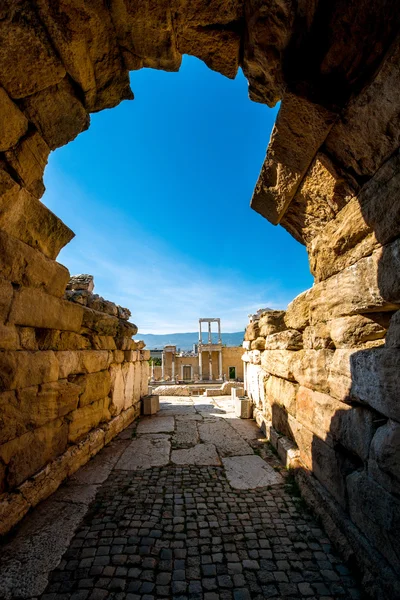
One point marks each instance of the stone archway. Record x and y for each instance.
(330, 177)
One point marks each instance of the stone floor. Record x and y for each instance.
(189, 504)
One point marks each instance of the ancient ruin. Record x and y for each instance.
(324, 374)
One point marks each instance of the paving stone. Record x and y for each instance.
(227, 441)
(158, 424)
(250, 472)
(201, 454)
(144, 453)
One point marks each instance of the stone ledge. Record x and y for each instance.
(15, 505)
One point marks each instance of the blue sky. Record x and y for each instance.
(157, 192)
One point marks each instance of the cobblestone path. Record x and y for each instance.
(187, 513)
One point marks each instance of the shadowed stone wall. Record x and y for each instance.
(330, 177)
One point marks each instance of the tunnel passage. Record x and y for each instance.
(330, 177)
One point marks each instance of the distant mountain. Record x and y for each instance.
(185, 341)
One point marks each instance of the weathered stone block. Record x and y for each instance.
(375, 379)
(24, 265)
(321, 195)
(347, 332)
(299, 131)
(22, 369)
(377, 514)
(326, 466)
(54, 339)
(340, 374)
(243, 408)
(86, 418)
(9, 338)
(304, 441)
(6, 296)
(32, 70)
(34, 308)
(29, 159)
(342, 242)
(39, 405)
(297, 315)
(311, 368)
(281, 391)
(127, 329)
(93, 386)
(27, 454)
(102, 342)
(57, 113)
(11, 425)
(392, 339)
(95, 360)
(100, 323)
(252, 331)
(354, 427)
(383, 464)
(317, 337)
(284, 340)
(27, 339)
(288, 452)
(98, 303)
(280, 363)
(272, 321)
(13, 123)
(317, 412)
(30, 221)
(258, 344)
(150, 404)
(84, 37)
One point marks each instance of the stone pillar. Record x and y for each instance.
(162, 366)
(173, 367)
(210, 365)
(200, 365)
(152, 371)
(220, 365)
(209, 333)
(219, 332)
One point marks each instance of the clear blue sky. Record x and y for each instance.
(157, 192)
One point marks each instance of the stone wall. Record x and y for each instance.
(71, 378)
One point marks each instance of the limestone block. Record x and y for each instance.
(54, 339)
(29, 159)
(127, 329)
(84, 37)
(340, 374)
(252, 331)
(347, 332)
(95, 360)
(317, 337)
(9, 338)
(24, 265)
(376, 201)
(268, 29)
(129, 355)
(99, 323)
(258, 344)
(320, 196)
(384, 465)
(27, 454)
(34, 308)
(387, 273)
(13, 123)
(326, 466)
(57, 113)
(117, 389)
(145, 355)
(255, 384)
(83, 283)
(368, 131)
(311, 368)
(283, 392)
(145, 32)
(98, 303)
(297, 314)
(82, 420)
(125, 343)
(392, 339)
(342, 242)
(288, 452)
(354, 428)
(304, 441)
(376, 513)
(103, 342)
(246, 345)
(272, 321)
(139, 344)
(118, 423)
(129, 373)
(92, 386)
(27, 338)
(6, 296)
(24, 73)
(281, 363)
(70, 363)
(150, 404)
(119, 356)
(27, 219)
(144, 378)
(39, 405)
(299, 131)
(363, 287)
(243, 408)
(284, 340)
(22, 369)
(12, 508)
(318, 412)
(11, 425)
(172, 390)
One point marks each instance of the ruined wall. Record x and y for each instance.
(71, 378)
(325, 373)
